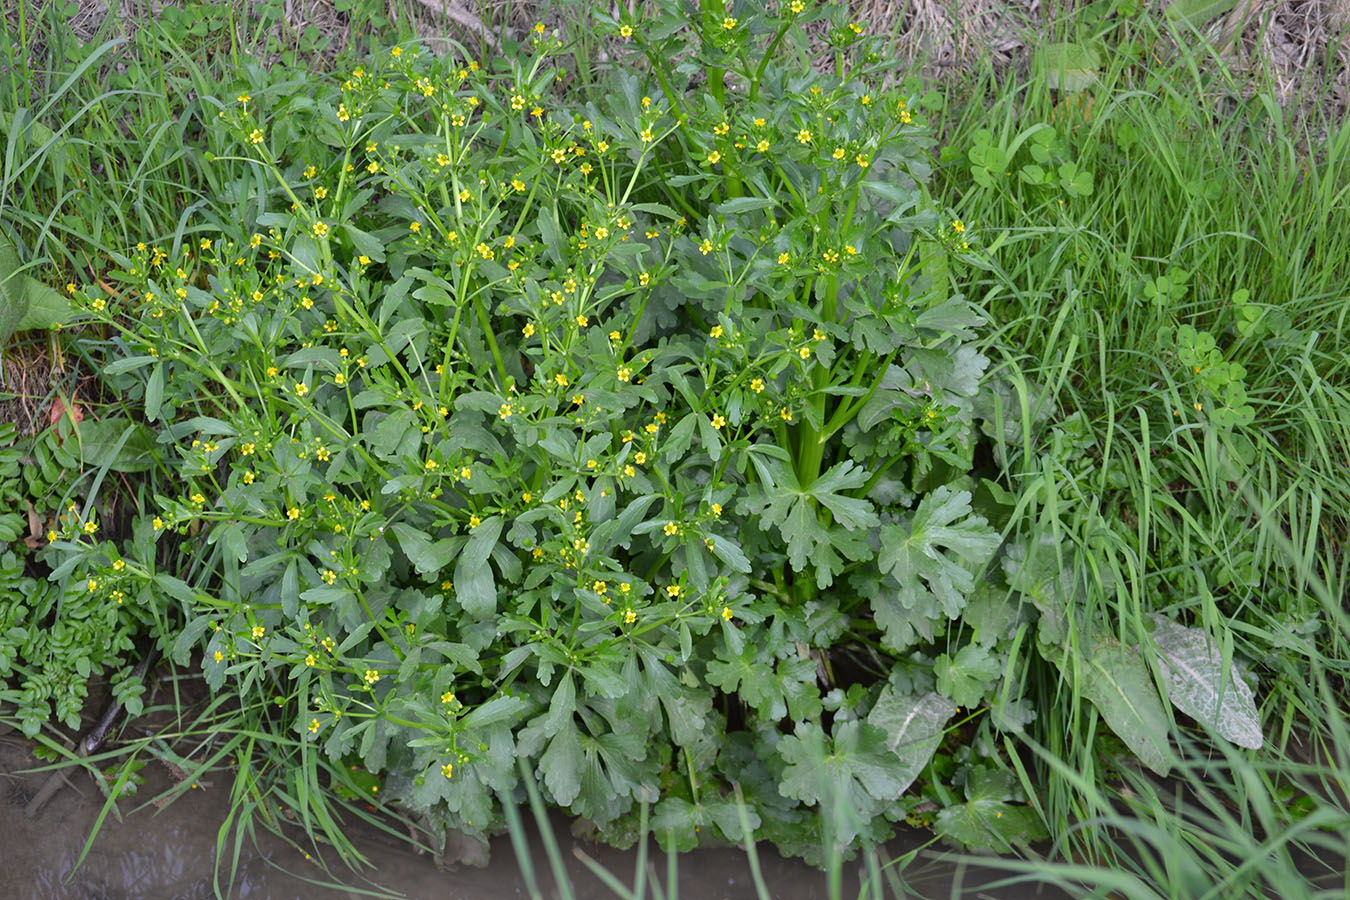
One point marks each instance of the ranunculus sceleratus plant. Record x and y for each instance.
(626, 437)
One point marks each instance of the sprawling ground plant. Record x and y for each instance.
(627, 439)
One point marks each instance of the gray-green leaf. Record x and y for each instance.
(1115, 680)
(913, 727)
(1201, 686)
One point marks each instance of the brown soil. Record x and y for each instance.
(149, 853)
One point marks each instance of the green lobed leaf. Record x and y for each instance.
(930, 556)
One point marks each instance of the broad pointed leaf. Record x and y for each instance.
(1115, 680)
(913, 727)
(1201, 686)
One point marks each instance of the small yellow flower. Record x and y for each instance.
(52, 535)
(671, 528)
(309, 659)
(673, 590)
(415, 227)
(786, 414)
(838, 153)
(313, 726)
(804, 352)
(726, 613)
(448, 770)
(716, 509)
(718, 421)
(756, 384)
(339, 379)
(582, 321)
(958, 226)
(474, 521)
(301, 389)
(90, 527)
(639, 457)
(256, 137)
(706, 247)
(561, 379)
(862, 161)
(762, 146)
(258, 631)
(629, 617)
(292, 513)
(625, 31)
(624, 373)
(646, 135)
(158, 523)
(504, 410)
(93, 584)
(804, 136)
(729, 22)
(372, 676)
(714, 158)
(448, 697)
(465, 473)
(715, 332)
(783, 258)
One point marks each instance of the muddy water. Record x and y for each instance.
(169, 854)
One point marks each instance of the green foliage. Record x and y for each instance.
(516, 425)
(25, 302)
(1173, 350)
(440, 484)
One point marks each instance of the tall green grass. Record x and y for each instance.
(1239, 529)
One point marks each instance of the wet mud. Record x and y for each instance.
(171, 854)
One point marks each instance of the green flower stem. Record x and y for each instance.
(849, 407)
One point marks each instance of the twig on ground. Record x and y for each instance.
(461, 17)
(89, 744)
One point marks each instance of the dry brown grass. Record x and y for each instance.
(1298, 49)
